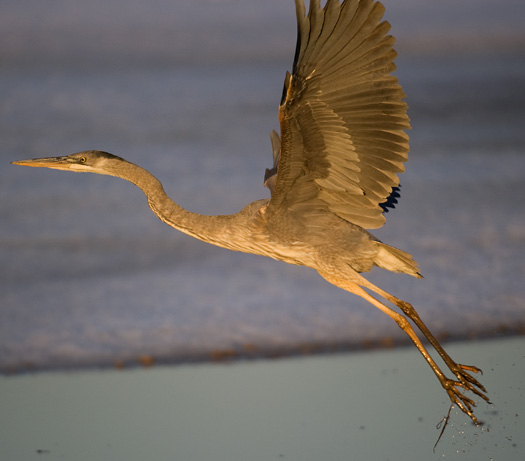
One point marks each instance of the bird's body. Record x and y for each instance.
(342, 145)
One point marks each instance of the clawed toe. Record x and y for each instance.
(470, 368)
(465, 403)
(468, 382)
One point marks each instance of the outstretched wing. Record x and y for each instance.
(342, 115)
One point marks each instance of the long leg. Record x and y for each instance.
(460, 371)
(451, 387)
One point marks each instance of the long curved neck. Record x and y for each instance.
(229, 231)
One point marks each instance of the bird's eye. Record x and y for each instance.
(83, 159)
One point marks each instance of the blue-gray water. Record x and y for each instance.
(189, 90)
(373, 405)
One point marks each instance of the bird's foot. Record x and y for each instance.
(465, 382)
(468, 381)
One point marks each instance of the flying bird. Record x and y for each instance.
(335, 169)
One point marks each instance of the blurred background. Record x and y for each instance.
(189, 90)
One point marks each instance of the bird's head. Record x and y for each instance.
(91, 161)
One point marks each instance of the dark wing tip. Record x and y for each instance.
(391, 200)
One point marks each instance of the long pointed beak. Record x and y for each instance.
(56, 163)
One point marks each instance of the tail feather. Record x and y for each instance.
(396, 260)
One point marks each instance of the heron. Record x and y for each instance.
(342, 143)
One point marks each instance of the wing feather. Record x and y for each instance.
(342, 115)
